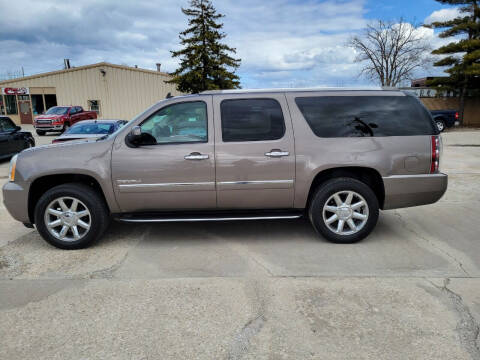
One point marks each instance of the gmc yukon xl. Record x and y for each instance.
(335, 156)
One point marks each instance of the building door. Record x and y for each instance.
(25, 109)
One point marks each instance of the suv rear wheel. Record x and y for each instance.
(344, 210)
(71, 216)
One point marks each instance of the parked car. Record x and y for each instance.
(90, 130)
(60, 118)
(444, 118)
(12, 140)
(336, 157)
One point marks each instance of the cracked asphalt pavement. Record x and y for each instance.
(257, 290)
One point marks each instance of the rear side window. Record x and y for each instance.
(252, 120)
(351, 116)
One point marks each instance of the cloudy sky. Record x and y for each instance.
(282, 43)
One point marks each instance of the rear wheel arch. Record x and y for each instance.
(42, 184)
(368, 176)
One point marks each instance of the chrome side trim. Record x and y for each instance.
(165, 184)
(255, 182)
(194, 186)
(207, 185)
(414, 176)
(198, 219)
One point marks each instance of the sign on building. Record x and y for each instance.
(15, 91)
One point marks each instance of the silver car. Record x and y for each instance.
(334, 156)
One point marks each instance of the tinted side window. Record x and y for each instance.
(350, 116)
(178, 123)
(6, 124)
(252, 120)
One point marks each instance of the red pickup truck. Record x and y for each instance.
(60, 118)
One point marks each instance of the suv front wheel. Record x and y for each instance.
(344, 210)
(71, 216)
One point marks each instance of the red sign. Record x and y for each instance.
(15, 91)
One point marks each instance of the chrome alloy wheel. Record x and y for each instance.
(345, 213)
(67, 219)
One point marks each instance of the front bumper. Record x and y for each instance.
(47, 127)
(15, 199)
(413, 190)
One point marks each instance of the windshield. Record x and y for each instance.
(57, 110)
(92, 128)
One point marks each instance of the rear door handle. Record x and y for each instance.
(196, 156)
(277, 153)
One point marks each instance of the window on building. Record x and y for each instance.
(178, 123)
(50, 100)
(252, 120)
(351, 116)
(94, 105)
(37, 104)
(11, 104)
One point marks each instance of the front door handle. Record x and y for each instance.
(196, 156)
(277, 153)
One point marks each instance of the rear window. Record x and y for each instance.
(353, 116)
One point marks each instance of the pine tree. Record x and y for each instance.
(463, 55)
(204, 60)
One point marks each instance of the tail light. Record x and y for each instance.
(436, 152)
(456, 115)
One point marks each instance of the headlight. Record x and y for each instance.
(13, 166)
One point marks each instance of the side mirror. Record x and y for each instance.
(136, 132)
(133, 139)
(136, 137)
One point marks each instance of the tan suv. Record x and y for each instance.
(336, 156)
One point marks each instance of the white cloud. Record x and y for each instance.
(443, 15)
(277, 40)
(281, 42)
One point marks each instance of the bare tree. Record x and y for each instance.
(391, 52)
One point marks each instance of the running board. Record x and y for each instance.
(164, 218)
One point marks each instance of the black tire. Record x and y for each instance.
(440, 124)
(94, 203)
(66, 126)
(41, 132)
(326, 191)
